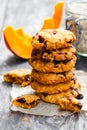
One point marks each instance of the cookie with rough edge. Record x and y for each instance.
(55, 66)
(52, 78)
(18, 76)
(54, 98)
(70, 103)
(49, 39)
(26, 101)
(53, 88)
(58, 55)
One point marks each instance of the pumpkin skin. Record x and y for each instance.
(18, 42)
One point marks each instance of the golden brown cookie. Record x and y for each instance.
(54, 98)
(26, 101)
(52, 78)
(49, 39)
(58, 55)
(53, 88)
(18, 76)
(55, 66)
(70, 103)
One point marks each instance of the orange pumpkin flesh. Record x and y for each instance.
(21, 33)
(55, 20)
(57, 16)
(17, 42)
(48, 23)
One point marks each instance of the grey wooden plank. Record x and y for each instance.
(3, 9)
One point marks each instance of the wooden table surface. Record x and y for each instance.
(29, 14)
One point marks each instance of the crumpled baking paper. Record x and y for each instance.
(47, 109)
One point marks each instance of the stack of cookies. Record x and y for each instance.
(53, 75)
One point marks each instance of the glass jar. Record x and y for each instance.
(76, 21)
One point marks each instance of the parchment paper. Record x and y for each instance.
(46, 109)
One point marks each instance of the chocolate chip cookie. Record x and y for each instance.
(70, 103)
(57, 55)
(55, 66)
(54, 98)
(26, 101)
(52, 78)
(49, 39)
(18, 76)
(53, 88)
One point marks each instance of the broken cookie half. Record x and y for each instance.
(18, 76)
(26, 101)
(70, 103)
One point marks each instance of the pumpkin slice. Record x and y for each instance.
(55, 20)
(18, 42)
(48, 23)
(57, 16)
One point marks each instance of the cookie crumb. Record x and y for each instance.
(24, 119)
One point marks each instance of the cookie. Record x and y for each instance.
(49, 39)
(55, 66)
(58, 55)
(52, 78)
(54, 98)
(26, 101)
(70, 103)
(53, 88)
(18, 76)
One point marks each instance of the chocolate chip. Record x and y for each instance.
(60, 49)
(70, 41)
(34, 103)
(21, 100)
(44, 94)
(58, 62)
(64, 73)
(65, 53)
(55, 64)
(33, 59)
(79, 105)
(32, 79)
(72, 78)
(72, 93)
(54, 49)
(75, 89)
(59, 53)
(44, 46)
(27, 78)
(46, 59)
(57, 73)
(54, 32)
(41, 39)
(65, 61)
(69, 99)
(80, 96)
(35, 52)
